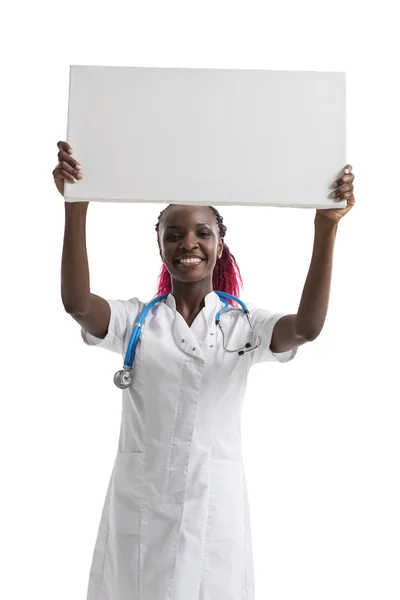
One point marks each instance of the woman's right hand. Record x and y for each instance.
(68, 168)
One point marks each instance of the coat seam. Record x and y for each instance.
(104, 561)
(172, 445)
(101, 584)
(206, 541)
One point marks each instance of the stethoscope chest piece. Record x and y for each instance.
(123, 378)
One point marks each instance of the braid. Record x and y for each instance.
(226, 274)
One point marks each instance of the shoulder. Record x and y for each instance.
(258, 313)
(129, 308)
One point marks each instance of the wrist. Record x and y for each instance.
(76, 207)
(325, 223)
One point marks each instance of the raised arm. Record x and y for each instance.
(293, 330)
(91, 311)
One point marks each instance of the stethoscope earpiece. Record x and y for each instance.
(248, 345)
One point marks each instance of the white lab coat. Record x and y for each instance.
(175, 523)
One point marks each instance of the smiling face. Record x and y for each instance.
(189, 231)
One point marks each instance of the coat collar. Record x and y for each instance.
(212, 303)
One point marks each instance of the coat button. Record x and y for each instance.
(212, 346)
(182, 341)
(211, 334)
(193, 349)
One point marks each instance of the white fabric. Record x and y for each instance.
(175, 523)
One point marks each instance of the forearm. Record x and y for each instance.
(315, 297)
(75, 279)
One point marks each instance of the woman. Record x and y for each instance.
(175, 523)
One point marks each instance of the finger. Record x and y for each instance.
(67, 167)
(64, 166)
(340, 190)
(348, 169)
(65, 146)
(349, 198)
(64, 157)
(346, 187)
(344, 179)
(62, 174)
(344, 196)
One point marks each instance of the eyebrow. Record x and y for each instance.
(179, 227)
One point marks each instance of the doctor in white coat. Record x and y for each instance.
(175, 523)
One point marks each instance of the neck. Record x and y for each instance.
(189, 297)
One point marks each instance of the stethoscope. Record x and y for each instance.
(123, 378)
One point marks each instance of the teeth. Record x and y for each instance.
(190, 260)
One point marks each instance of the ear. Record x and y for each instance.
(220, 248)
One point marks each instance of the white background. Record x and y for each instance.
(320, 434)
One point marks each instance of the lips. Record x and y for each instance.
(182, 257)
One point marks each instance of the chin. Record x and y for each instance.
(190, 277)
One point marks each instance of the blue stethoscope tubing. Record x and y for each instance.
(123, 378)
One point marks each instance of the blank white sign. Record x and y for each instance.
(207, 136)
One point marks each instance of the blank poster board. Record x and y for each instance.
(207, 136)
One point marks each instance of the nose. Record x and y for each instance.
(189, 241)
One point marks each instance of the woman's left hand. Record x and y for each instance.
(343, 191)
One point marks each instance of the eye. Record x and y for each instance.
(172, 237)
